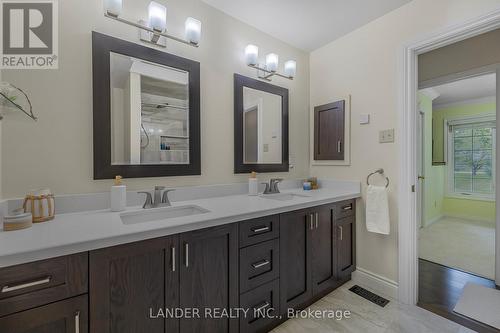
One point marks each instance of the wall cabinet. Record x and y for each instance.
(329, 131)
(265, 265)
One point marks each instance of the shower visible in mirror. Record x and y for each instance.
(149, 112)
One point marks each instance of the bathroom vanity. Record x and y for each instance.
(272, 255)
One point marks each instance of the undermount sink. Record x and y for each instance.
(158, 214)
(284, 196)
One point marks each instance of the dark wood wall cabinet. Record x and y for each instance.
(265, 266)
(329, 131)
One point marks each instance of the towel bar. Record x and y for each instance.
(381, 172)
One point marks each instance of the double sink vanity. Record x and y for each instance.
(99, 271)
(217, 260)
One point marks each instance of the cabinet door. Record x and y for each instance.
(329, 123)
(209, 278)
(127, 284)
(69, 316)
(324, 271)
(295, 258)
(346, 247)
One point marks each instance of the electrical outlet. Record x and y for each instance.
(386, 136)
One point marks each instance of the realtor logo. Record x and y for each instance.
(29, 34)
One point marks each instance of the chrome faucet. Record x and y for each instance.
(272, 186)
(159, 199)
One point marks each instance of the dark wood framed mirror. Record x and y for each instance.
(146, 111)
(260, 126)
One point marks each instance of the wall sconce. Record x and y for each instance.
(270, 69)
(154, 30)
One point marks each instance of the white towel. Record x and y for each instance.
(377, 210)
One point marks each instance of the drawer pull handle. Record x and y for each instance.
(261, 229)
(7, 289)
(77, 322)
(311, 221)
(173, 258)
(261, 263)
(341, 233)
(347, 207)
(317, 220)
(262, 307)
(186, 258)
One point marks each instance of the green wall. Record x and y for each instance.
(433, 195)
(436, 203)
(438, 117)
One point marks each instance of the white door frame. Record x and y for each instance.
(408, 69)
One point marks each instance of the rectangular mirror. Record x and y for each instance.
(149, 112)
(146, 111)
(261, 126)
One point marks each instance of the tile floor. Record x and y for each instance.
(367, 317)
(462, 244)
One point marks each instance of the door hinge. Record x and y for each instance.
(413, 188)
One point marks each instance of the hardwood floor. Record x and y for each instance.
(440, 288)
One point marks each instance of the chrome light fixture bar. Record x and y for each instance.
(155, 29)
(270, 69)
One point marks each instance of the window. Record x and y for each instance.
(471, 148)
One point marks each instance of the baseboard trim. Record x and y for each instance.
(473, 218)
(376, 283)
(434, 220)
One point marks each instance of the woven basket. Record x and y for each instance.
(42, 207)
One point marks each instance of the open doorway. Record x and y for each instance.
(457, 174)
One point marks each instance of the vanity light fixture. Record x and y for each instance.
(154, 30)
(270, 69)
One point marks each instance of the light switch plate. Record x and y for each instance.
(364, 119)
(386, 136)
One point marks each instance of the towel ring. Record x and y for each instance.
(381, 172)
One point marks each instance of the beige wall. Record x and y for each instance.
(57, 150)
(364, 64)
(479, 51)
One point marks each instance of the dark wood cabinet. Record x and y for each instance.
(329, 131)
(324, 272)
(209, 277)
(295, 258)
(68, 316)
(271, 263)
(127, 282)
(346, 244)
(317, 252)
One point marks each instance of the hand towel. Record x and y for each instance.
(377, 210)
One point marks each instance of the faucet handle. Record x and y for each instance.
(276, 180)
(164, 198)
(149, 200)
(159, 188)
(267, 190)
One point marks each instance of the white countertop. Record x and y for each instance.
(77, 232)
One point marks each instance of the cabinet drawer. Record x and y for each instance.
(259, 230)
(68, 316)
(259, 264)
(263, 306)
(345, 208)
(30, 285)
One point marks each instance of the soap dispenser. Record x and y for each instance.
(118, 195)
(253, 184)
